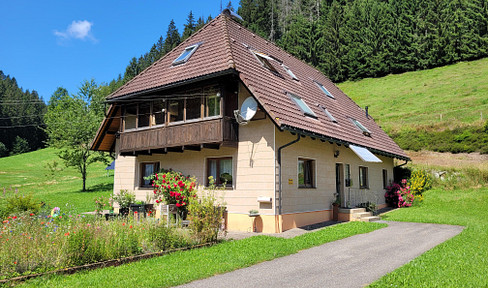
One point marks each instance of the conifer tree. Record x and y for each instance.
(189, 26)
(172, 37)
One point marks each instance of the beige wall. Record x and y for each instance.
(320, 198)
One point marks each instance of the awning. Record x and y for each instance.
(365, 154)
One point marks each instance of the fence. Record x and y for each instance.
(353, 197)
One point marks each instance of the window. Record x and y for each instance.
(264, 60)
(363, 178)
(348, 175)
(306, 173)
(221, 171)
(148, 169)
(193, 108)
(130, 117)
(186, 54)
(143, 115)
(292, 75)
(361, 127)
(159, 111)
(176, 110)
(303, 106)
(327, 113)
(385, 178)
(212, 102)
(326, 92)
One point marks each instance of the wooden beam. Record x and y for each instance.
(194, 147)
(178, 149)
(212, 146)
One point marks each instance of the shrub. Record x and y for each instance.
(22, 203)
(206, 214)
(3, 150)
(420, 181)
(20, 146)
(370, 206)
(124, 198)
(399, 195)
(173, 188)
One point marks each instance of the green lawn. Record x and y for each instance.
(29, 174)
(414, 99)
(183, 267)
(459, 262)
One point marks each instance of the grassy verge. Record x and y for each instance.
(29, 173)
(183, 267)
(459, 262)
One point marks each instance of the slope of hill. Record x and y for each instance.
(29, 173)
(443, 109)
(435, 99)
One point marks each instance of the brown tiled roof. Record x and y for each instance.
(227, 45)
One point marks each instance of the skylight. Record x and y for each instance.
(303, 106)
(324, 90)
(186, 54)
(361, 127)
(331, 118)
(264, 59)
(292, 75)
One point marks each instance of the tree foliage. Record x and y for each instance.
(72, 122)
(21, 115)
(372, 38)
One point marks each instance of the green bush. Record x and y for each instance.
(22, 203)
(3, 150)
(20, 146)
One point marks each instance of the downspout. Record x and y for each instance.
(279, 169)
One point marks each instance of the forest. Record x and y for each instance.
(345, 39)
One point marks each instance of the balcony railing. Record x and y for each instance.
(221, 131)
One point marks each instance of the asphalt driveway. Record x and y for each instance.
(352, 262)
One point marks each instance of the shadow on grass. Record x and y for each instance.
(99, 188)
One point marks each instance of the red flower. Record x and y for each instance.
(123, 224)
(66, 234)
(178, 205)
(135, 212)
(15, 217)
(164, 175)
(31, 214)
(130, 227)
(15, 262)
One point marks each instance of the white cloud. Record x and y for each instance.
(77, 30)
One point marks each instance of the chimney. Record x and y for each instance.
(366, 109)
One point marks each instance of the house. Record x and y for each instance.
(299, 139)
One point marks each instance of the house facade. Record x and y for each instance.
(305, 142)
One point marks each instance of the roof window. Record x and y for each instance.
(361, 127)
(292, 75)
(186, 54)
(326, 92)
(303, 106)
(331, 118)
(264, 59)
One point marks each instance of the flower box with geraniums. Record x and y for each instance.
(173, 188)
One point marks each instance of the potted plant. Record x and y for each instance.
(125, 198)
(253, 213)
(137, 206)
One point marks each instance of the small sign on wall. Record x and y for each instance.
(290, 181)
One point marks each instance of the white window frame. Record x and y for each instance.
(361, 127)
(288, 70)
(297, 100)
(324, 90)
(192, 50)
(314, 175)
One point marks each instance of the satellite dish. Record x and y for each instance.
(248, 109)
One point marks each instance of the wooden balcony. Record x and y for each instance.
(195, 135)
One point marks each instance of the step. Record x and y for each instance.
(363, 214)
(369, 219)
(352, 211)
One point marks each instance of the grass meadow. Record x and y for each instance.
(435, 99)
(29, 173)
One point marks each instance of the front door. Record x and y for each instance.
(339, 184)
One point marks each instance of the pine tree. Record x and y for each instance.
(172, 37)
(189, 27)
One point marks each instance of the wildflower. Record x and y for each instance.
(15, 262)
(135, 212)
(130, 227)
(123, 224)
(15, 217)
(31, 214)
(66, 234)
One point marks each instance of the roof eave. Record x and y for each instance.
(172, 85)
(340, 141)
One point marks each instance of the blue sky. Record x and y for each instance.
(48, 44)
